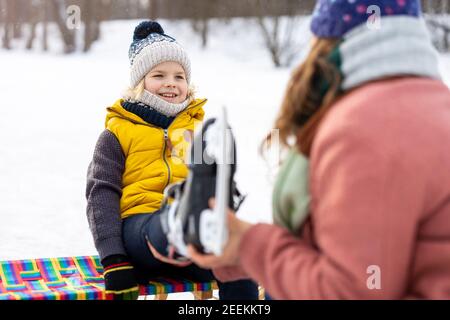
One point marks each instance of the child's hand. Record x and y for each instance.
(120, 282)
(164, 259)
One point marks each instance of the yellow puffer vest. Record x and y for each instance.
(154, 157)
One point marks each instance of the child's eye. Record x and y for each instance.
(180, 77)
(157, 76)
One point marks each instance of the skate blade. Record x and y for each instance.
(213, 222)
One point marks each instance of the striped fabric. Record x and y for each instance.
(73, 278)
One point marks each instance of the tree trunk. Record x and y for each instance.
(91, 23)
(106, 11)
(31, 37)
(67, 35)
(33, 19)
(87, 15)
(446, 41)
(6, 37)
(9, 21)
(45, 14)
(16, 20)
(204, 32)
(152, 9)
(97, 19)
(271, 39)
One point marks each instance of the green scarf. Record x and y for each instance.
(290, 198)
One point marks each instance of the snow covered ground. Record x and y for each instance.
(53, 109)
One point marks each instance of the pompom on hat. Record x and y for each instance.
(150, 47)
(334, 18)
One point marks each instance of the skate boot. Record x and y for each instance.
(212, 165)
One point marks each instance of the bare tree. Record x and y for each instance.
(201, 14)
(91, 16)
(441, 26)
(152, 9)
(438, 20)
(201, 27)
(17, 10)
(279, 45)
(58, 10)
(45, 18)
(277, 33)
(106, 12)
(2, 19)
(33, 20)
(9, 18)
(17, 17)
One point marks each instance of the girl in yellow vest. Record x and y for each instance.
(140, 152)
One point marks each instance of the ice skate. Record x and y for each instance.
(212, 164)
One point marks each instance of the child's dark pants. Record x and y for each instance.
(136, 228)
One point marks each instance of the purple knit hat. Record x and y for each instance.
(333, 18)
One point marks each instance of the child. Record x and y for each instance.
(139, 154)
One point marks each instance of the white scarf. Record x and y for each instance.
(162, 106)
(401, 46)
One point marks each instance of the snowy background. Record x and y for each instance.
(53, 110)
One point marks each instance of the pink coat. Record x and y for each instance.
(380, 209)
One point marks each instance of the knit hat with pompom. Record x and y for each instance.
(334, 18)
(150, 47)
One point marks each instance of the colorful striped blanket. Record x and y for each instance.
(74, 278)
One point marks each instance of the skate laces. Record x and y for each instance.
(188, 219)
(174, 191)
(168, 214)
(215, 148)
(237, 197)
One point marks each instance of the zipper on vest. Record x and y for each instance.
(166, 141)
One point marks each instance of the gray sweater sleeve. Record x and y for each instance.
(103, 192)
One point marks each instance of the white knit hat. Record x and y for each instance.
(150, 47)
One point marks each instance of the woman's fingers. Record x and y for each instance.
(161, 258)
(207, 261)
(230, 255)
(212, 202)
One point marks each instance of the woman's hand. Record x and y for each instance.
(230, 256)
(164, 259)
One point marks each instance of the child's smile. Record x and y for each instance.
(168, 81)
(169, 97)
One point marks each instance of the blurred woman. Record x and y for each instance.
(362, 202)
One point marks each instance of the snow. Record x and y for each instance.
(53, 110)
(445, 68)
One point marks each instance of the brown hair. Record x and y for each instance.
(312, 89)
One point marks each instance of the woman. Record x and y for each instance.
(367, 215)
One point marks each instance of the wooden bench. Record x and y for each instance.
(79, 278)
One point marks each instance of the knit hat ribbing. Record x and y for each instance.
(334, 18)
(150, 47)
